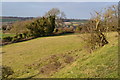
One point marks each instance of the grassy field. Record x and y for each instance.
(61, 57)
(2, 35)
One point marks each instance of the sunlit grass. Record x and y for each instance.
(101, 63)
(3, 35)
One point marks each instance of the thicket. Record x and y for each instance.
(7, 39)
(43, 26)
(99, 25)
(37, 27)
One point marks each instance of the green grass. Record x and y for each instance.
(102, 63)
(3, 35)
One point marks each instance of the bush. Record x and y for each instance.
(7, 39)
(25, 34)
(64, 30)
(20, 36)
(16, 38)
(78, 29)
(55, 30)
(6, 72)
(4, 27)
(95, 40)
(43, 26)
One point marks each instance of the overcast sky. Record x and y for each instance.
(79, 10)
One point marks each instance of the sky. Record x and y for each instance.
(76, 10)
(60, 0)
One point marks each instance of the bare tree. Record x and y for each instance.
(99, 25)
(59, 16)
(110, 18)
(53, 12)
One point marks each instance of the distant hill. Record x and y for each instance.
(6, 20)
(76, 20)
(13, 19)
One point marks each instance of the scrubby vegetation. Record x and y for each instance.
(99, 25)
(6, 72)
(43, 26)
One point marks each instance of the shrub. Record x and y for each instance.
(43, 26)
(16, 38)
(4, 27)
(6, 72)
(7, 39)
(25, 34)
(78, 29)
(55, 30)
(94, 41)
(64, 30)
(20, 36)
(100, 24)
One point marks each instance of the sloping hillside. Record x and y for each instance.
(101, 64)
(61, 57)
